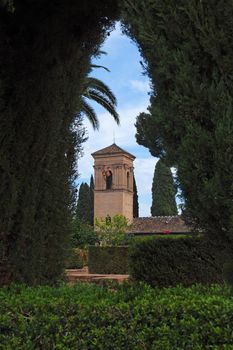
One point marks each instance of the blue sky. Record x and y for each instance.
(131, 87)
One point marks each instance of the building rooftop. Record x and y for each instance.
(159, 224)
(112, 149)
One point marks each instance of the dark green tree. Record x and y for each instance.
(92, 200)
(135, 199)
(83, 211)
(163, 191)
(147, 135)
(45, 53)
(187, 47)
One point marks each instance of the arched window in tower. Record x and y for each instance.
(127, 180)
(108, 179)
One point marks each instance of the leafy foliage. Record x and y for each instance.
(92, 199)
(168, 262)
(83, 210)
(163, 191)
(141, 238)
(135, 199)
(83, 234)
(148, 134)
(129, 317)
(96, 90)
(85, 203)
(112, 230)
(108, 260)
(188, 48)
(75, 259)
(45, 53)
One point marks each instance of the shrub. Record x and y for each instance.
(83, 234)
(128, 317)
(108, 260)
(112, 231)
(168, 262)
(76, 259)
(141, 238)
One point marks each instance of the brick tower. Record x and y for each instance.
(113, 182)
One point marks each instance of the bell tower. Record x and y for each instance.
(113, 192)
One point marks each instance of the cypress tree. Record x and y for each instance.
(188, 48)
(135, 199)
(45, 53)
(83, 211)
(92, 200)
(163, 191)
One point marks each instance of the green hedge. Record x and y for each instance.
(108, 260)
(162, 262)
(142, 238)
(74, 260)
(89, 317)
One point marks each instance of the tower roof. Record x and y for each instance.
(112, 150)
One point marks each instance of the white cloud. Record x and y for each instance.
(144, 209)
(140, 85)
(131, 91)
(125, 138)
(124, 134)
(144, 172)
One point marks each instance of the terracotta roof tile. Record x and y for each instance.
(112, 149)
(159, 224)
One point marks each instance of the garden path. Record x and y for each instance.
(74, 275)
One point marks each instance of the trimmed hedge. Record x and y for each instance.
(89, 317)
(142, 238)
(74, 260)
(162, 262)
(108, 260)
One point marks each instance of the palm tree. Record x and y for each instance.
(95, 90)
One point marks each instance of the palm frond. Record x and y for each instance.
(105, 103)
(94, 83)
(98, 53)
(97, 66)
(94, 89)
(90, 113)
